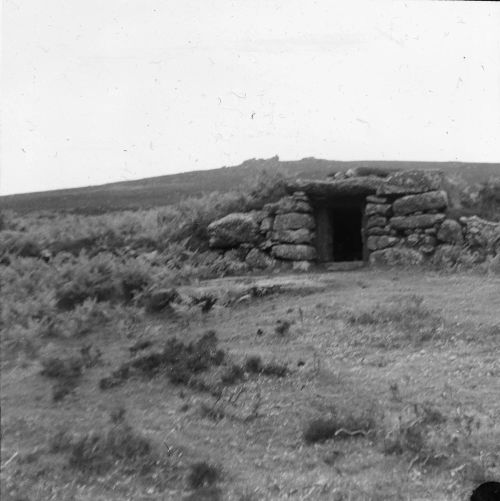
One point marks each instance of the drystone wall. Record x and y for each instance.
(404, 229)
(280, 232)
(405, 223)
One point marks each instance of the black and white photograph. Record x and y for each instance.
(250, 250)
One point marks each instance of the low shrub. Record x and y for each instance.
(134, 279)
(67, 371)
(93, 278)
(179, 361)
(417, 435)
(408, 314)
(62, 368)
(282, 327)
(232, 375)
(341, 424)
(99, 450)
(100, 278)
(275, 369)
(319, 430)
(202, 474)
(19, 244)
(253, 364)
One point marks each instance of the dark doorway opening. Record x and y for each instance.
(347, 241)
(339, 225)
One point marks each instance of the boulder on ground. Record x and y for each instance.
(450, 232)
(394, 256)
(232, 230)
(300, 236)
(291, 252)
(416, 221)
(412, 181)
(430, 201)
(258, 259)
(293, 221)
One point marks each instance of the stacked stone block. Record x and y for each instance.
(405, 222)
(290, 228)
(281, 231)
(405, 217)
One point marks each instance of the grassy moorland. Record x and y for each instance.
(135, 365)
(368, 385)
(171, 189)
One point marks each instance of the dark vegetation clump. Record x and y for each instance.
(63, 387)
(18, 244)
(254, 365)
(134, 281)
(232, 375)
(282, 327)
(67, 371)
(159, 300)
(212, 493)
(202, 474)
(179, 361)
(140, 345)
(416, 436)
(100, 278)
(62, 368)
(340, 425)
(275, 369)
(206, 302)
(416, 321)
(101, 449)
(319, 430)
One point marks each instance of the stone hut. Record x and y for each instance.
(393, 218)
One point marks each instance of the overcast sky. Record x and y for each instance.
(105, 90)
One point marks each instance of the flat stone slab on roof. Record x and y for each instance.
(411, 181)
(353, 186)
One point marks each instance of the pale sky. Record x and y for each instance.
(96, 91)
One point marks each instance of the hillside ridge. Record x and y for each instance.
(171, 188)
